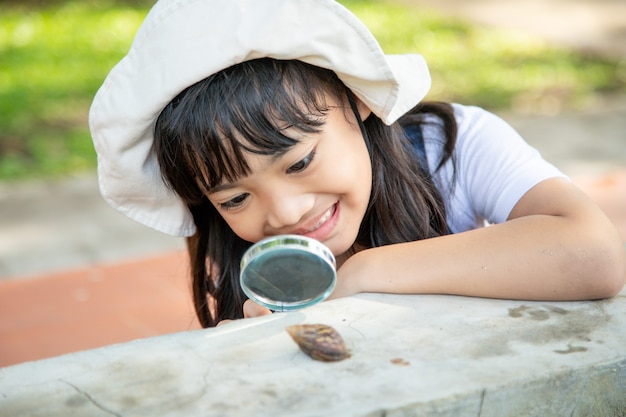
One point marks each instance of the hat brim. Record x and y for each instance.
(182, 42)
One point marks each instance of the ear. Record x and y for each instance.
(364, 111)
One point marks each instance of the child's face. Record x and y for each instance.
(319, 188)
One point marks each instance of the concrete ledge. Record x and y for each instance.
(411, 356)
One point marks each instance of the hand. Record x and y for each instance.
(250, 310)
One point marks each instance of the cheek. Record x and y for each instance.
(358, 169)
(244, 225)
(351, 160)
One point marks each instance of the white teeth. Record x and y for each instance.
(323, 219)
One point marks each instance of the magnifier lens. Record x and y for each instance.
(288, 272)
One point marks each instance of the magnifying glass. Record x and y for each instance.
(288, 272)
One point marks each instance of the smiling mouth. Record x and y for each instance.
(323, 219)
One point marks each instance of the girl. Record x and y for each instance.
(233, 120)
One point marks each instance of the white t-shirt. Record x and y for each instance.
(495, 167)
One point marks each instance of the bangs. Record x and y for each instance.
(203, 136)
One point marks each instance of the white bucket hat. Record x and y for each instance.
(184, 41)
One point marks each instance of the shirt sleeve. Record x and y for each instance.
(495, 167)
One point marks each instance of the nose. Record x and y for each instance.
(287, 208)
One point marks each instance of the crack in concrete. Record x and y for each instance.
(601, 305)
(91, 399)
(482, 401)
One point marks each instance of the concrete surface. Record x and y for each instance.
(582, 143)
(75, 274)
(411, 356)
(49, 226)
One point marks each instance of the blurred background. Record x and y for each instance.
(75, 274)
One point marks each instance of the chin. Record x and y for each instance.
(340, 246)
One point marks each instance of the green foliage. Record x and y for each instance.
(492, 68)
(55, 54)
(54, 58)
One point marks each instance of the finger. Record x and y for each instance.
(223, 322)
(252, 309)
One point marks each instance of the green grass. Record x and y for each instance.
(492, 68)
(54, 55)
(54, 58)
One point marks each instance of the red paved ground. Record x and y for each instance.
(91, 307)
(80, 309)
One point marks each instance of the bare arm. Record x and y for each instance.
(556, 245)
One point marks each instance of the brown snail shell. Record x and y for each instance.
(319, 341)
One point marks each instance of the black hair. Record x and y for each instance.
(204, 133)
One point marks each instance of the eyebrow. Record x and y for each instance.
(221, 187)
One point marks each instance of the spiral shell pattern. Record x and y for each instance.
(319, 341)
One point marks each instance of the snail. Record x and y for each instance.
(319, 341)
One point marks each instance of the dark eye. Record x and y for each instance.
(302, 164)
(234, 202)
